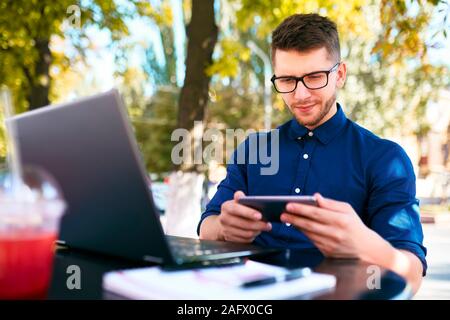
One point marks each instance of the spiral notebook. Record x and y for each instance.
(216, 283)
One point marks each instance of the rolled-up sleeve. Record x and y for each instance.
(235, 180)
(393, 210)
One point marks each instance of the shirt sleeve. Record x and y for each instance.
(236, 180)
(393, 210)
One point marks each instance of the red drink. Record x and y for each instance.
(26, 261)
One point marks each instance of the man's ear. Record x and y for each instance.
(341, 75)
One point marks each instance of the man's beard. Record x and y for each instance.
(323, 112)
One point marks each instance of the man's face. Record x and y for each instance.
(310, 107)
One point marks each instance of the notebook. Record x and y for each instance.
(215, 283)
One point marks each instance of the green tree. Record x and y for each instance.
(154, 118)
(32, 65)
(202, 37)
(27, 28)
(379, 77)
(384, 43)
(154, 128)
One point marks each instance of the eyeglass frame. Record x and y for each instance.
(298, 79)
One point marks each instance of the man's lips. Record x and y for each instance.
(305, 107)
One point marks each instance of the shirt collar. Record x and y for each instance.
(325, 132)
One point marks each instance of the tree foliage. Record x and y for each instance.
(30, 34)
(385, 93)
(385, 44)
(27, 28)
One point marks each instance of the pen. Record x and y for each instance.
(292, 275)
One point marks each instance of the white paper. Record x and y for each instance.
(212, 283)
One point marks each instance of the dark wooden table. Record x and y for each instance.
(352, 275)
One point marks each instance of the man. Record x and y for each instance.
(364, 185)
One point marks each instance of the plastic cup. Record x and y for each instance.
(29, 226)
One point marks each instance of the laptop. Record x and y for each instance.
(88, 146)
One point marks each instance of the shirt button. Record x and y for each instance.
(299, 138)
(288, 224)
(310, 133)
(297, 190)
(305, 156)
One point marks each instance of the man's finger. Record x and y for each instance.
(238, 194)
(240, 210)
(319, 241)
(243, 234)
(331, 204)
(244, 224)
(308, 225)
(232, 238)
(311, 212)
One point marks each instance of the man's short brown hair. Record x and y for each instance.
(304, 32)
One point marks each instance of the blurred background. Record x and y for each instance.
(180, 61)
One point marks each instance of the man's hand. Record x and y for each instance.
(337, 231)
(238, 223)
(334, 227)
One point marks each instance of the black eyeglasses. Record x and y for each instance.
(314, 80)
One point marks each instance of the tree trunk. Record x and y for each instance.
(202, 37)
(185, 186)
(39, 81)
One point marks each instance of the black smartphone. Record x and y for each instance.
(271, 207)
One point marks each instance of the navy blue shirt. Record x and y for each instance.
(340, 160)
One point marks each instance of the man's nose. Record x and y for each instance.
(301, 92)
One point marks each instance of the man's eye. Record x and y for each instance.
(315, 76)
(287, 80)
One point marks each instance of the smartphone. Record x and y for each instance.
(271, 207)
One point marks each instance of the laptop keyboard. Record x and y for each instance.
(188, 250)
(191, 247)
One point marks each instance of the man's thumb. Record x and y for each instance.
(238, 195)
